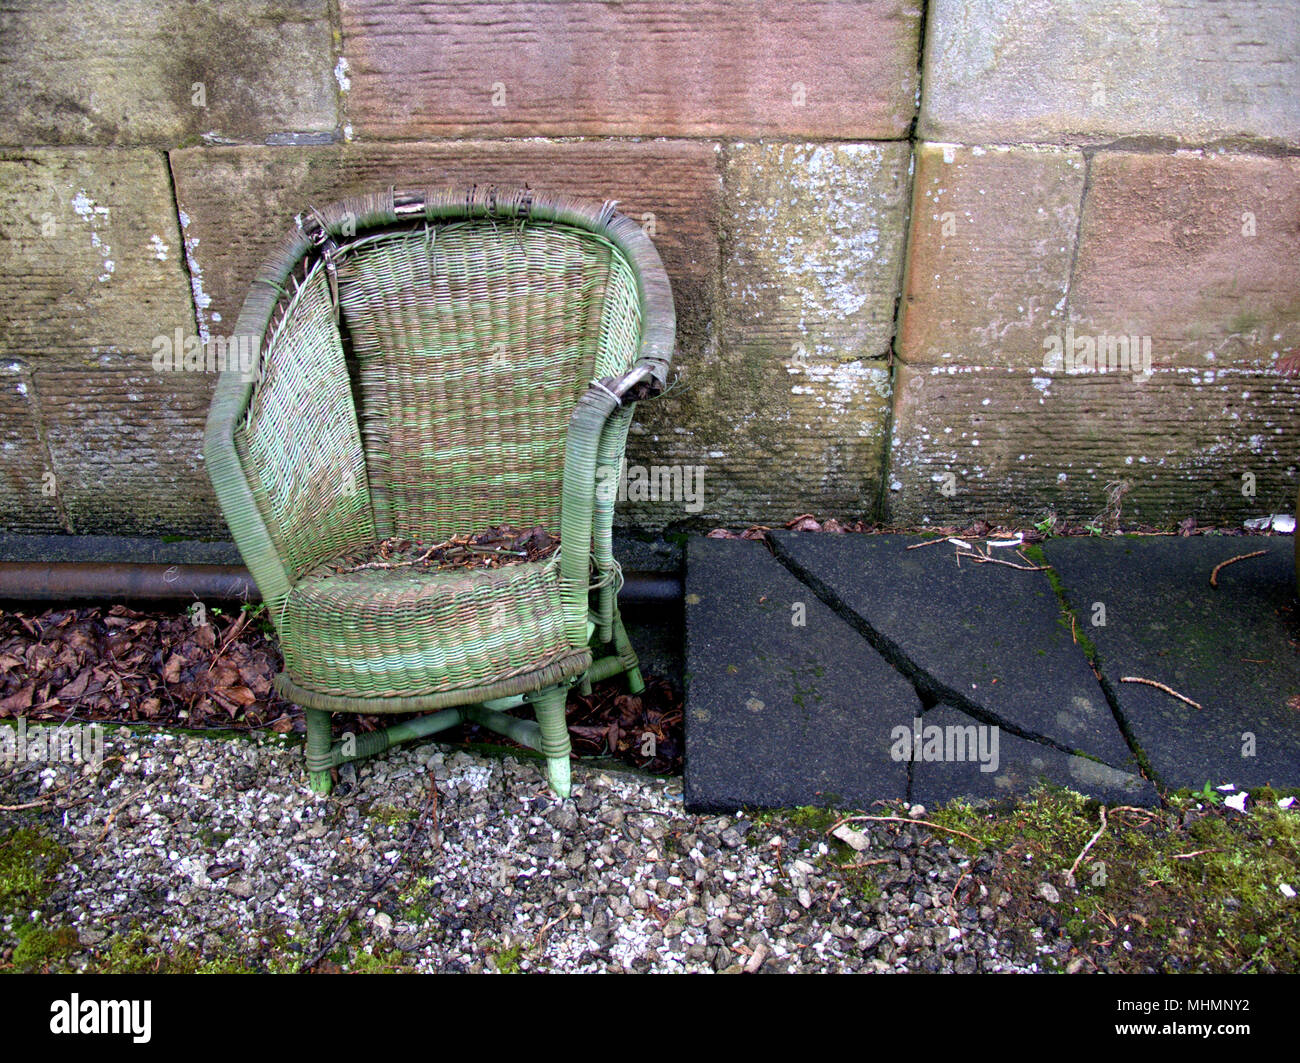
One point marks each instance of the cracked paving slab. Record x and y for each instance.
(997, 764)
(1231, 648)
(986, 639)
(786, 705)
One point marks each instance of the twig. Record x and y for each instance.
(904, 819)
(1188, 856)
(19, 808)
(1091, 841)
(928, 542)
(232, 633)
(1214, 576)
(953, 895)
(537, 938)
(108, 822)
(1161, 686)
(37, 804)
(399, 564)
(984, 559)
(1131, 808)
(756, 958)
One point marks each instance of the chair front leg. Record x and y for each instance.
(319, 741)
(549, 706)
(626, 654)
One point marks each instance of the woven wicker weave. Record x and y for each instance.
(433, 364)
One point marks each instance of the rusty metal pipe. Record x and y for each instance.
(81, 581)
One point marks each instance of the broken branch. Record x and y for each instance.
(1214, 576)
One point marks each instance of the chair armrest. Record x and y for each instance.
(596, 439)
(577, 506)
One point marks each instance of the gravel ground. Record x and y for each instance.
(432, 859)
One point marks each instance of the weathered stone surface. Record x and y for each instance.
(237, 203)
(774, 439)
(90, 257)
(1018, 767)
(90, 275)
(1020, 443)
(1036, 70)
(1230, 648)
(814, 242)
(130, 71)
(80, 549)
(983, 638)
(741, 406)
(792, 409)
(28, 502)
(1195, 253)
(779, 713)
(818, 69)
(989, 254)
(127, 446)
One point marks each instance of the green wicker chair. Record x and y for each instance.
(431, 365)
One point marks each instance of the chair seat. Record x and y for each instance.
(397, 632)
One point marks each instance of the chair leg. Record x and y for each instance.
(631, 666)
(549, 706)
(319, 740)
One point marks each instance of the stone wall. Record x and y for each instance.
(1105, 174)
(883, 222)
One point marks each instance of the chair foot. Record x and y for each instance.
(560, 775)
(319, 740)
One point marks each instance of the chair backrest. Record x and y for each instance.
(472, 342)
(419, 379)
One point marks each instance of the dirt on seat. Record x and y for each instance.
(504, 545)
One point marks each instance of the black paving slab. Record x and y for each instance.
(1230, 648)
(781, 713)
(983, 638)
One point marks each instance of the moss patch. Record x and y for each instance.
(1191, 888)
(507, 960)
(28, 863)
